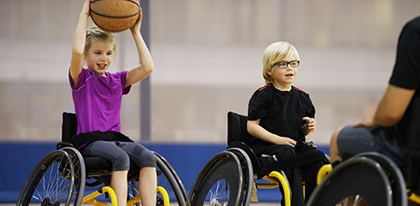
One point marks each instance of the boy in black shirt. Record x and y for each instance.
(281, 115)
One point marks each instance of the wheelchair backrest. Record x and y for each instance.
(237, 129)
(68, 127)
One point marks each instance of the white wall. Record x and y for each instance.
(207, 55)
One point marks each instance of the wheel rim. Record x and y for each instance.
(51, 182)
(221, 182)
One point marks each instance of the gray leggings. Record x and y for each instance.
(120, 154)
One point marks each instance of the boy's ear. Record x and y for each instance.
(269, 72)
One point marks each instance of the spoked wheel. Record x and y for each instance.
(53, 182)
(220, 182)
(79, 174)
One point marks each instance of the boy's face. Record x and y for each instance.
(99, 57)
(283, 78)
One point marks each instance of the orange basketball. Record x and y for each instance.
(114, 15)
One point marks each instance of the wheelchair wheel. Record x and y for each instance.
(220, 182)
(169, 180)
(395, 176)
(54, 181)
(79, 173)
(356, 176)
(248, 173)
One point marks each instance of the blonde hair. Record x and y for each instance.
(274, 53)
(93, 34)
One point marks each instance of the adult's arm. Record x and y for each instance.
(390, 109)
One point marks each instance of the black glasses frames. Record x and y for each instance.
(284, 65)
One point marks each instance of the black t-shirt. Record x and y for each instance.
(406, 74)
(281, 112)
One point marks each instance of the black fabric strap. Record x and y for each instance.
(297, 161)
(84, 138)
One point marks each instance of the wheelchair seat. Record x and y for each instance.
(61, 177)
(209, 185)
(96, 167)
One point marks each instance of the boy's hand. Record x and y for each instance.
(311, 123)
(286, 141)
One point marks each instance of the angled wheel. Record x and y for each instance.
(171, 181)
(220, 182)
(55, 180)
(79, 174)
(248, 173)
(357, 176)
(395, 176)
(168, 180)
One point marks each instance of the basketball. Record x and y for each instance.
(114, 15)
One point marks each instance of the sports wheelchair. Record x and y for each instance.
(228, 177)
(368, 178)
(375, 177)
(370, 175)
(62, 175)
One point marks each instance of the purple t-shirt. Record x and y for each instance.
(97, 101)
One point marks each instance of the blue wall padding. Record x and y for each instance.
(18, 160)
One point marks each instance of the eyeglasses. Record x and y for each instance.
(284, 65)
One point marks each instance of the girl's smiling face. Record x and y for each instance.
(99, 57)
(283, 78)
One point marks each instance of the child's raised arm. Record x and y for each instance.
(146, 67)
(78, 46)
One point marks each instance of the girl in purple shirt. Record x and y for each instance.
(97, 98)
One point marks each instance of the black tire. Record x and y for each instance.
(79, 173)
(181, 194)
(52, 182)
(167, 180)
(219, 182)
(248, 174)
(358, 175)
(395, 176)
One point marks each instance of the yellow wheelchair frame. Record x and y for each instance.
(91, 197)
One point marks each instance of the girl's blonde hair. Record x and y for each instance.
(93, 34)
(275, 53)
